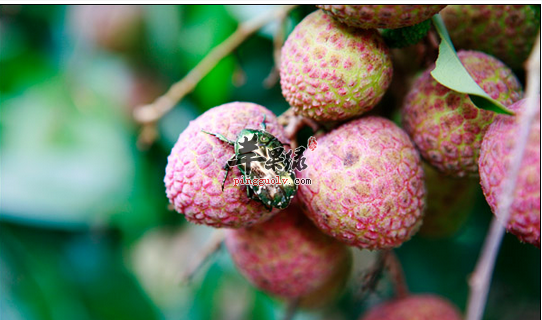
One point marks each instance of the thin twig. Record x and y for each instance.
(480, 280)
(396, 272)
(278, 41)
(152, 112)
(207, 252)
(370, 279)
(291, 309)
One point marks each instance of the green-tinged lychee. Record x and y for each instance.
(448, 204)
(333, 72)
(194, 171)
(382, 16)
(495, 160)
(287, 256)
(445, 125)
(414, 307)
(507, 32)
(366, 186)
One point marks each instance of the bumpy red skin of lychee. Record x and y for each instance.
(381, 16)
(287, 256)
(194, 172)
(445, 125)
(495, 159)
(331, 72)
(367, 184)
(414, 307)
(507, 32)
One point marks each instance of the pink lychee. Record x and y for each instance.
(288, 256)
(495, 158)
(414, 307)
(367, 186)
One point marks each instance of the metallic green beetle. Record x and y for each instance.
(271, 195)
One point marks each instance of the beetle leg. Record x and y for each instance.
(250, 193)
(221, 137)
(227, 167)
(263, 123)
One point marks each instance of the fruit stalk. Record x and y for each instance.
(212, 247)
(480, 280)
(149, 114)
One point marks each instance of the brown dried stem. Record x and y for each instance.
(152, 112)
(207, 252)
(480, 280)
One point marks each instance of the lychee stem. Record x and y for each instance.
(278, 40)
(480, 280)
(212, 247)
(370, 278)
(396, 272)
(293, 123)
(149, 114)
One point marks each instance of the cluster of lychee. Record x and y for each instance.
(368, 187)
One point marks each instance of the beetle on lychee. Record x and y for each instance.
(194, 172)
(252, 149)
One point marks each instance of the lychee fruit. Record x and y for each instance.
(381, 16)
(414, 307)
(445, 125)
(495, 160)
(507, 32)
(448, 204)
(332, 72)
(366, 184)
(194, 172)
(287, 256)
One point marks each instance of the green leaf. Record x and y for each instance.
(451, 73)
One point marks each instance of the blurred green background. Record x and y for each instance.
(85, 228)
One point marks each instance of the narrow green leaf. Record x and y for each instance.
(451, 73)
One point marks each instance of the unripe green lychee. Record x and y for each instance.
(288, 256)
(507, 32)
(414, 307)
(332, 72)
(366, 186)
(495, 159)
(194, 171)
(381, 16)
(445, 125)
(448, 204)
